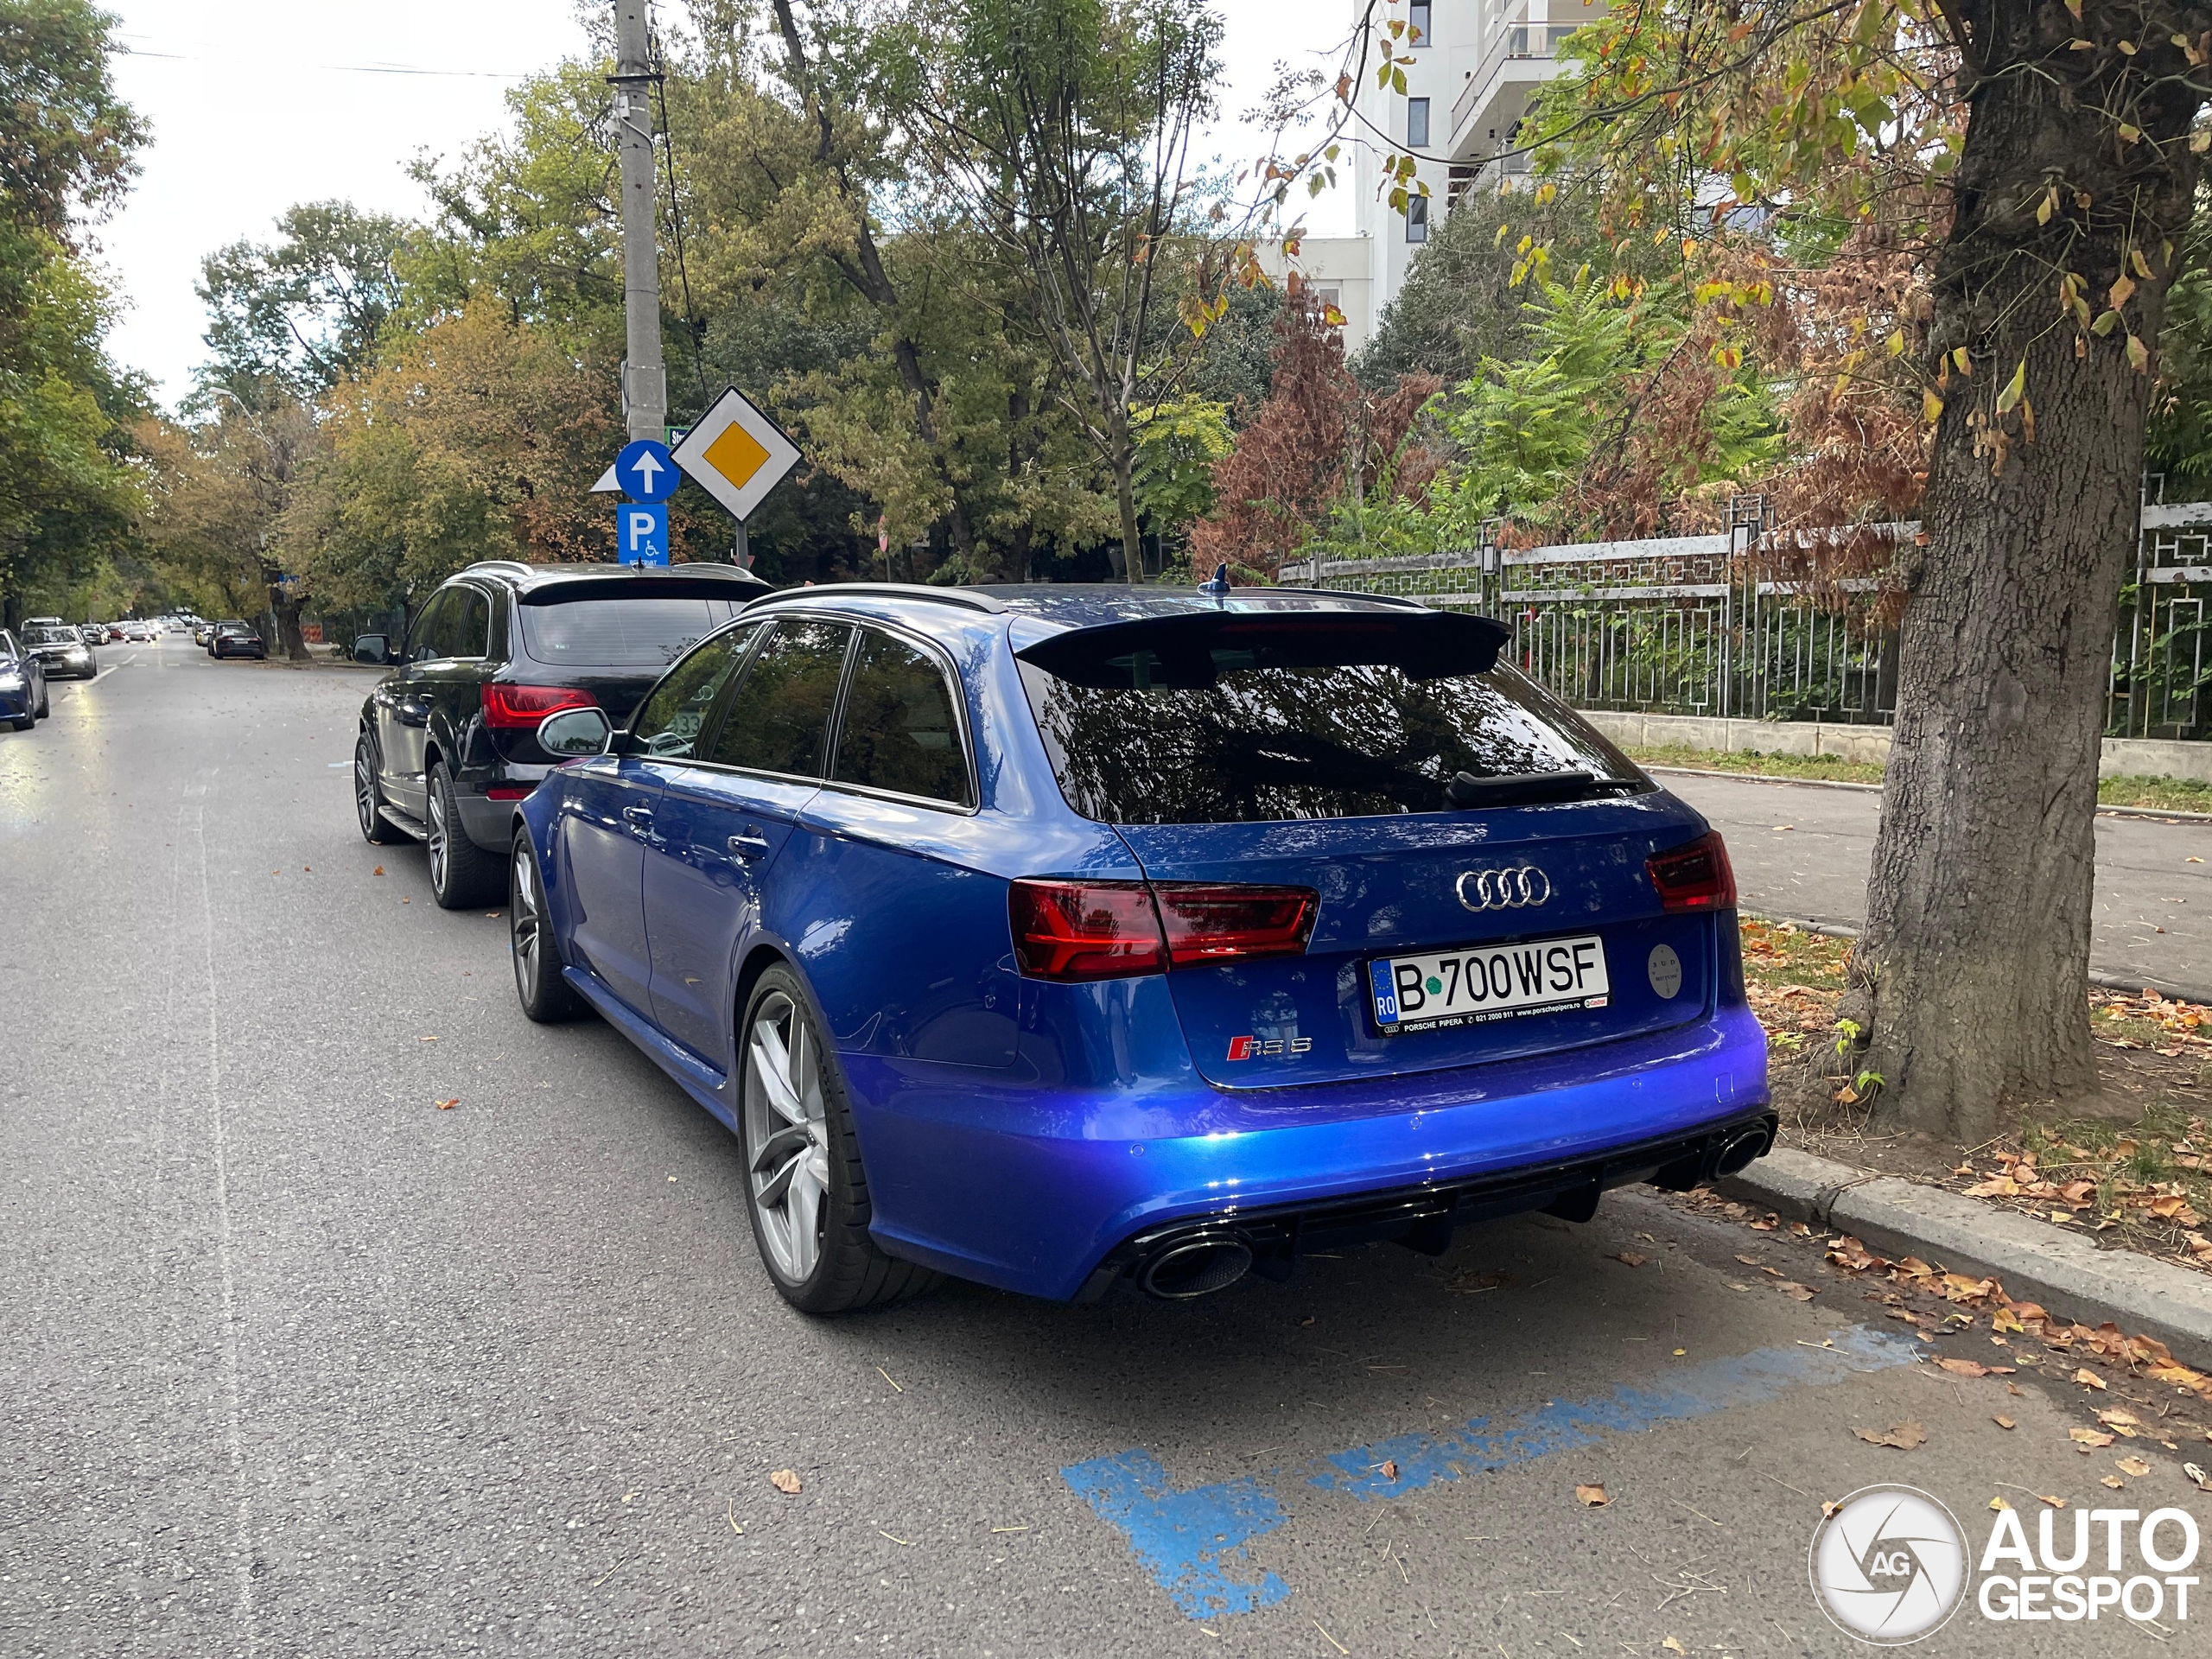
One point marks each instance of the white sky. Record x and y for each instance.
(258, 103)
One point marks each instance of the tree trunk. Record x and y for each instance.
(1974, 961)
(1125, 496)
(284, 611)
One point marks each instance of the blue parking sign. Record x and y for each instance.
(641, 533)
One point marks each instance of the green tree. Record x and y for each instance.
(303, 312)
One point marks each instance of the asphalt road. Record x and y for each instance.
(298, 1363)
(1804, 851)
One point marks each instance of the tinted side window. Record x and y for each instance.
(780, 716)
(422, 637)
(899, 732)
(672, 718)
(465, 626)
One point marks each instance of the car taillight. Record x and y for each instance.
(1115, 930)
(509, 791)
(1085, 930)
(1696, 876)
(508, 707)
(1216, 923)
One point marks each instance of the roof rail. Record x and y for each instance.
(966, 598)
(500, 565)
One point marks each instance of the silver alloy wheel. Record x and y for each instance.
(528, 922)
(364, 786)
(437, 841)
(787, 1137)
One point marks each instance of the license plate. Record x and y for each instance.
(1490, 982)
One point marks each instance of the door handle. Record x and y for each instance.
(637, 818)
(748, 847)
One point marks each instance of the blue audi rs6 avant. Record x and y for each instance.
(1067, 938)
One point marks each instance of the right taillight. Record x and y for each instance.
(1695, 876)
(1085, 930)
(1118, 930)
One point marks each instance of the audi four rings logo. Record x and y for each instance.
(1518, 889)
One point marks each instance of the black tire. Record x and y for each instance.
(25, 723)
(786, 1158)
(546, 996)
(368, 796)
(463, 876)
(45, 701)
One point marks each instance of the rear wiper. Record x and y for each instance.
(1466, 790)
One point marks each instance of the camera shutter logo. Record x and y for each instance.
(1889, 1566)
(1521, 888)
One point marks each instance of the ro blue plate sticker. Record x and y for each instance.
(1386, 993)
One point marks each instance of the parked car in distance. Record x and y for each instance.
(61, 649)
(449, 738)
(22, 684)
(236, 638)
(1070, 940)
(202, 633)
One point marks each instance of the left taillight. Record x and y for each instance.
(1693, 876)
(1118, 929)
(521, 706)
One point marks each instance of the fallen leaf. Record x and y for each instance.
(447, 1105)
(1902, 1436)
(2088, 1437)
(786, 1481)
(2055, 1502)
(1768, 1225)
(1913, 1268)
(1998, 1503)
(1673, 1646)
(2088, 1379)
(1750, 1260)
(378, 871)
(1389, 1468)
(1795, 1292)
(2198, 1477)
(1829, 1506)
(2135, 1466)
(2004, 1422)
(2113, 1481)
(1593, 1497)
(1631, 1258)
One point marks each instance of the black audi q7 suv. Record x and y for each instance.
(449, 738)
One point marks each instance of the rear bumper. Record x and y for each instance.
(1056, 1193)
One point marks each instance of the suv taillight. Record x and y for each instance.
(1695, 876)
(511, 707)
(1118, 929)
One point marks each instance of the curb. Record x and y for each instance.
(2100, 977)
(2034, 1261)
(2164, 815)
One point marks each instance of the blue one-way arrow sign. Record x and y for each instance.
(645, 472)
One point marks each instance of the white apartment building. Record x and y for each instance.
(1474, 64)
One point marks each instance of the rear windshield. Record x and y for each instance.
(51, 636)
(1266, 743)
(621, 632)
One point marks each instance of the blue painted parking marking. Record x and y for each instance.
(1184, 1539)
(1187, 1540)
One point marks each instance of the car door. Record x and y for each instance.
(728, 815)
(404, 711)
(452, 689)
(605, 826)
(892, 840)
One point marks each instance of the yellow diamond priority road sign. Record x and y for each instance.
(736, 454)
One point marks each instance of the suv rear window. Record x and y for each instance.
(620, 633)
(1257, 735)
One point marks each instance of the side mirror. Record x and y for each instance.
(575, 732)
(372, 648)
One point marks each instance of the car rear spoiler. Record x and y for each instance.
(739, 587)
(1182, 650)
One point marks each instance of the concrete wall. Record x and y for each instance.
(2132, 757)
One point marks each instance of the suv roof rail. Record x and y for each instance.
(965, 597)
(513, 566)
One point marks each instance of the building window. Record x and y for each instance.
(1330, 294)
(1417, 19)
(1458, 182)
(1417, 219)
(1417, 123)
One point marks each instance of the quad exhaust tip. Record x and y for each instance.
(1195, 1266)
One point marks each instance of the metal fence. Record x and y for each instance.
(1687, 626)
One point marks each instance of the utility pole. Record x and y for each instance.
(645, 380)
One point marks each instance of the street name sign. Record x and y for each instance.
(736, 454)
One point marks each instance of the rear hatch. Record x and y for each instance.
(612, 640)
(1476, 850)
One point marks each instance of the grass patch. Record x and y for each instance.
(2161, 794)
(1827, 766)
(1792, 979)
(2170, 794)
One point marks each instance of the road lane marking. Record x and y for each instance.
(1188, 1540)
